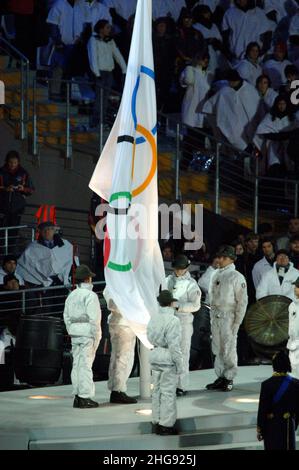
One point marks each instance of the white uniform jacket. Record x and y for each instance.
(164, 332)
(293, 342)
(187, 292)
(228, 293)
(270, 284)
(82, 313)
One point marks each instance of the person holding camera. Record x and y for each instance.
(15, 187)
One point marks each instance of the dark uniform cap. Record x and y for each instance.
(165, 298)
(181, 262)
(82, 272)
(296, 283)
(44, 225)
(227, 251)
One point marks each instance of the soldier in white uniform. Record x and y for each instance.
(82, 317)
(188, 294)
(293, 342)
(228, 299)
(164, 332)
(123, 341)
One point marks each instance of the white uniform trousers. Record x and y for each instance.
(187, 332)
(164, 408)
(294, 359)
(83, 352)
(224, 345)
(123, 341)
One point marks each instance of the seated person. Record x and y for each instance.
(48, 260)
(9, 266)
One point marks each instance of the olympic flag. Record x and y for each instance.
(126, 176)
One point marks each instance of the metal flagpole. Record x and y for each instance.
(145, 372)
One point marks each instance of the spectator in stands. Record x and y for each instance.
(275, 67)
(244, 23)
(293, 36)
(293, 229)
(66, 27)
(167, 253)
(291, 72)
(294, 250)
(170, 8)
(121, 11)
(10, 298)
(204, 22)
(47, 261)
(249, 68)
(238, 99)
(15, 186)
(9, 266)
(251, 256)
(266, 263)
(275, 129)
(164, 58)
(196, 78)
(240, 254)
(267, 96)
(91, 11)
(102, 53)
(204, 280)
(188, 41)
(276, 10)
(278, 280)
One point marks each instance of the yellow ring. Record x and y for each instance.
(149, 137)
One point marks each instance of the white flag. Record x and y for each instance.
(126, 176)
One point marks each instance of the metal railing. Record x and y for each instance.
(23, 63)
(39, 301)
(13, 239)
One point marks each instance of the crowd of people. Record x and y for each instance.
(239, 55)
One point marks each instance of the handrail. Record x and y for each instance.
(24, 114)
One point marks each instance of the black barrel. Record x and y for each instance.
(39, 350)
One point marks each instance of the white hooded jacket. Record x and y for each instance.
(164, 332)
(82, 313)
(187, 293)
(293, 342)
(228, 293)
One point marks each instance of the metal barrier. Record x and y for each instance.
(11, 237)
(23, 63)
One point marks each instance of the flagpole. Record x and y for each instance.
(145, 372)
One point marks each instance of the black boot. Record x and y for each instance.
(76, 402)
(227, 385)
(166, 431)
(87, 403)
(121, 397)
(217, 385)
(180, 392)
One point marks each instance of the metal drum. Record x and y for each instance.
(266, 324)
(39, 350)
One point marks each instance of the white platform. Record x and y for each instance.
(206, 419)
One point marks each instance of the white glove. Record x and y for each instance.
(292, 344)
